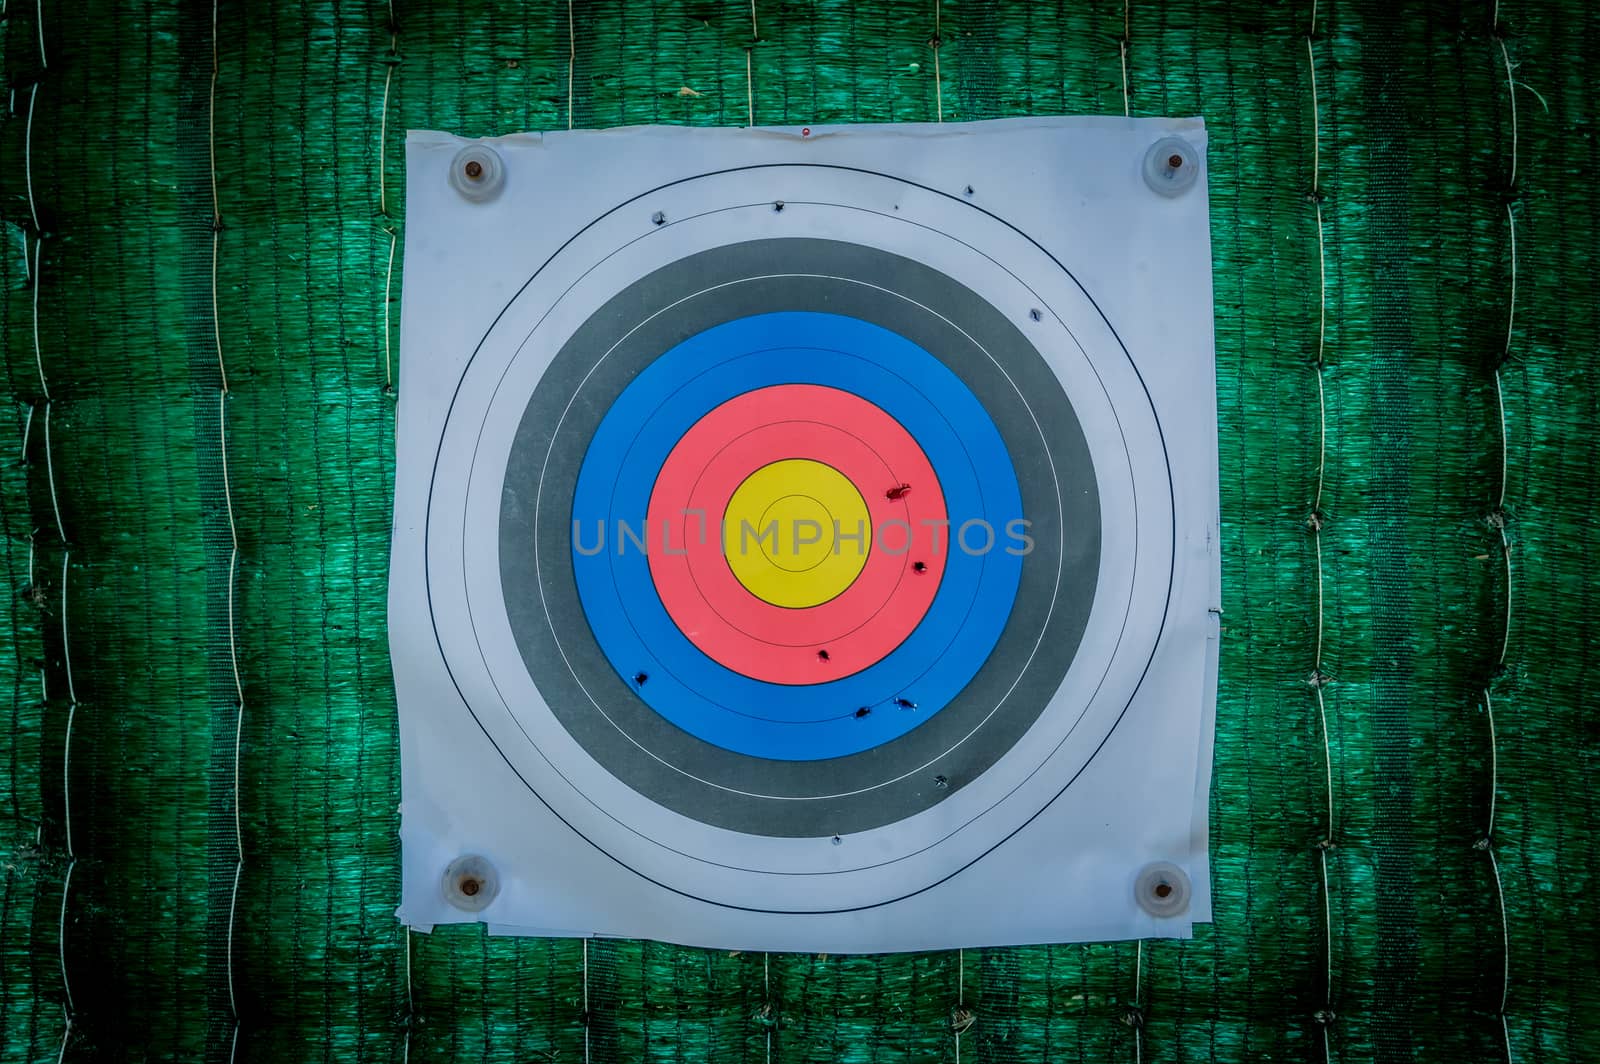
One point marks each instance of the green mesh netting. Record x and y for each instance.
(1404, 228)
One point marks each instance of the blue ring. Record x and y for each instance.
(754, 717)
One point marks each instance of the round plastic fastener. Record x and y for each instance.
(478, 173)
(1162, 889)
(470, 883)
(1171, 166)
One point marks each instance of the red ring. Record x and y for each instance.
(816, 626)
(861, 625)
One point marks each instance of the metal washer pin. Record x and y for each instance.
(478, 173)
(1162, 889)
(1171, 166)
(470, 883)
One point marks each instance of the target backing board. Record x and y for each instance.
(806, 538)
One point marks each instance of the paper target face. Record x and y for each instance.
(792, 536)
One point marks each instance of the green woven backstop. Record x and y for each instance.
(201, 210)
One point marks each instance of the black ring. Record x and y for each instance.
(1040, 431)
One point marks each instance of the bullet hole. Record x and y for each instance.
(863, 712)
(919, 567)
(905, 703)
(899, 492)
(823, 656)
(641, 678)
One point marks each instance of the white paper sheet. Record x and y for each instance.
(1051, 223)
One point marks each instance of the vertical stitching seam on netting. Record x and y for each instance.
(1498, 520)
(572, 59)
(961, 1019)
(749, 64)
(1122, 51)
(1314, 521)
(1138, 1002)
(36, 277)
(233, 529)
(391, 60)
(586, 1017)
(411, 1004)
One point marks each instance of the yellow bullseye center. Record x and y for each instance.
(796, 533)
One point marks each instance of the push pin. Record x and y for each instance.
(478, 173)
(1171, 166)
(1162, 889)
(470, 883)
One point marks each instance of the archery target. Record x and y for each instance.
(797, 534)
